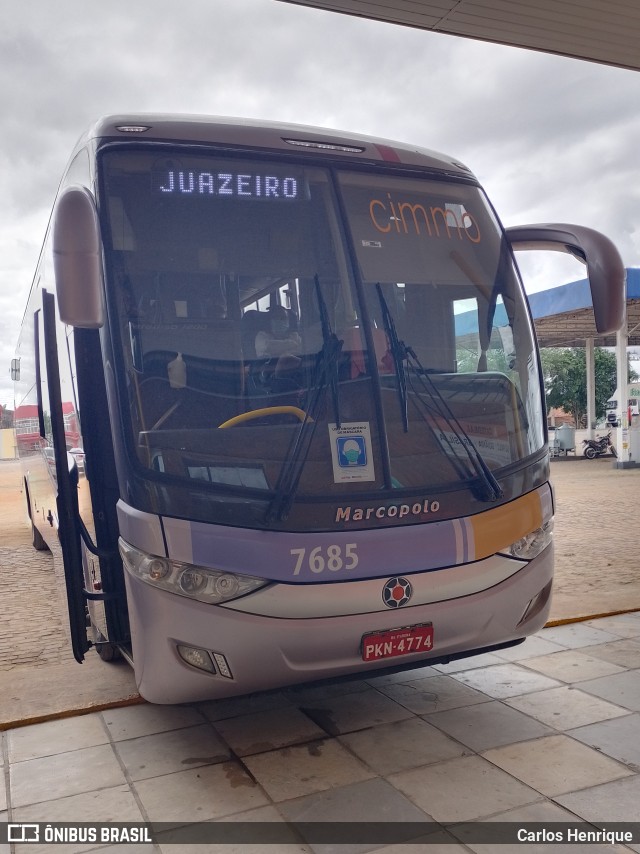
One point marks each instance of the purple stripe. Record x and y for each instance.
(268, 554)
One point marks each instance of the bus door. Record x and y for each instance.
(93, 573)
(67, 493)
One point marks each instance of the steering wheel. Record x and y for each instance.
(262, 413)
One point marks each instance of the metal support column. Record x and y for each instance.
(622, 433)
(591, 388)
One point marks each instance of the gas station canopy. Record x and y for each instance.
(563, 316)
(606, 31)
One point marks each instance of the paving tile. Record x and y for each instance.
(147, 719)
(216, 710)
(532, 817)
(434, 694)
(263, 814)
(301, 770)
(228, 848)
(576, 635)
(621, 688)
(572, 666)
(199, 794)
(49, 777)
(404, 675)
(619, 738)
(556, 764)
(623, 625)
(606, 803)
(269, 730)
(357, 711)
(624, 653)
(462, 789)
(51, 737)
(3, 793)
(103, 805)
(505, 680)
(434, 843)
(400, 745)
(125, 848)
(564, 708)
(302, 694)
(487, 725)
(260, 815)
(166, 752)
(370, 801)
(468, 663)
(535, 645)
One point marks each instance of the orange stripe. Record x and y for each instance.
(495, 529)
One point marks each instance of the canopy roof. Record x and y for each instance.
(595, 30)
(563, 316)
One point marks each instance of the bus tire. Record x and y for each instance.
(108, 651)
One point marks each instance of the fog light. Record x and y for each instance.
(199, 658)
(536, 604)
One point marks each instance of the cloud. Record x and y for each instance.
(551, 139)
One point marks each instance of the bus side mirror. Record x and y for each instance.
(15, 370)
(607, 278)
(77, 259)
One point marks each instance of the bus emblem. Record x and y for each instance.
(396, 592)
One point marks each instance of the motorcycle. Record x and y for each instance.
(598, 447)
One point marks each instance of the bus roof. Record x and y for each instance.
(261, 135)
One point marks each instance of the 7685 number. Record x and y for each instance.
(331, 557)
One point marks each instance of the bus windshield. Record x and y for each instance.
(289, 334)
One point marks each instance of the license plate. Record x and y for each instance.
(395, 642)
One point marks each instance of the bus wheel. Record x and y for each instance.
(107, 651)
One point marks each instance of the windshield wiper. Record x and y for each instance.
(325, 374)
(402, 355)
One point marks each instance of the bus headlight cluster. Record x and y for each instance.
(196, 582)
(532, 544)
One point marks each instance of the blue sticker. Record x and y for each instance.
(352, 451)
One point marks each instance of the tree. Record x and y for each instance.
(565, 379)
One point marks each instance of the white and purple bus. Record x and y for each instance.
(310, 403)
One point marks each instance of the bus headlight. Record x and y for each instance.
(532, 544)
(195, 582)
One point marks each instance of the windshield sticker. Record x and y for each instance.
(423, 221)
(351, 452)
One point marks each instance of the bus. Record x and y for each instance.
(309, 400)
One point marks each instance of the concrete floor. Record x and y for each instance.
(545, 732)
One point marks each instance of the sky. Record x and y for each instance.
(551, 139)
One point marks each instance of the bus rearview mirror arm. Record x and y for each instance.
(605, 268)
